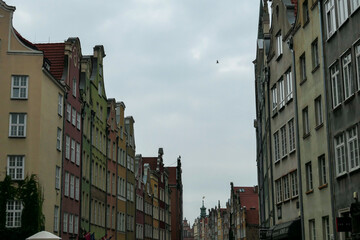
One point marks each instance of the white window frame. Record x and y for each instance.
(319, 119)
(347, 76)
(330, 18)
(67, 147)
(339, 144)
(294, 184)
(72, 186)
(13, 214)
(274, 98)
(278, 191)
(71, 223)
(357, 59)
(279, 45)
(77, 188)
(281, 93)
(303, 67)
(305, 117)
(58, 139)
(312, 229)
(343, 11)
(353, 148)
(65, 222)
(17, 125)
(14, 170)
(315, 53)
(286, 185)
(20, 86)
(73, 117)
(76, 224)
(309, 178)
(292, 145)
(78, 121)
(66, 183)
(283, 141)
(57, 177)
(335, 85)
(77, 161)
(322, 170)
(56, 218)
(354, 4)
(74, 89)
(60, 104)
(68, 112)
(73, 155)
(289, 85)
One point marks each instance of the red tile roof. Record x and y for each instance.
(152, 161)
(249, 199)
(54, 52)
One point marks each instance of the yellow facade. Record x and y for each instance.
(39, 144)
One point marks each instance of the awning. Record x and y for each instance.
(44, 235)
(288, 230)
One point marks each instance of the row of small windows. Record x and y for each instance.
(286, 132)
(281, 93)
(70, 223)
(319, 119)
(286, 187)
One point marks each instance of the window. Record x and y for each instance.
(305, 12)
(276, 146)
(67, 180)
(336, 85)
(309, 179)
(353, 148)
(71, 223)
(357, 57)
(67, 147)
(312, 232)
(289, 85)
(305, 115)
(318, 111)
(58, 139)
(108, 182)
(73, 150)
(60, 104)
(16, 166)
(77, 189)
(303, 67)
(17, 127)
(19, 87)
(99, 88)
(283, 141)
(72, 186)
(78, 121)
(78, 154)
(347, 76)
(76, 225)
(294, 184)
(340, 155)
(65, 223)
(57, 177)
(342, 11)
(56, 219)
(68, 112)
(274, 98)
(279, 44)
(354, 4)
(281, 93)
(13, 213)
(322, 170)
(330, 18)
(278, 191)
(113, 186)
(326, 228)
(315, 54)
(285, 180)
(73, 117)
(74, 87)
(291, 135)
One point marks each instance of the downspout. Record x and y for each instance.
(107, 154)
(126, 196)
(81, 158)
(332, 199)
(91, 169)
(62, 165)
(297, 140)
(117, 187)
(267, 79)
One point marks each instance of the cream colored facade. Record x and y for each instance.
(38, 147)
(312, 122)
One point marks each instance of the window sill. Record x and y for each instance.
(274, 113)
(20, 99)
(279, 57)
(277, 161)
(319, 126)
(310, 191)
(355, 169)
(282, 107)
(323, 186)
(286, 200)
(292, 151)
(306, 135)
(351, 97)
(337, 107)
(17, 136)
(306, 23)
(331, 35)
(295, 197)
(289, 100)
(315, 68)
(343, 23)
(341, 175)
(284, 157)
(303, 81)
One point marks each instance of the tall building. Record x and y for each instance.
(311, 103)
(341, 32)
(176, 187)
(140, 194)
(32, 122)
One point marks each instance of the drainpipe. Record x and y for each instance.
(332, 198)
(91, 169)
(267, 80)
(297, 139)
(62, 165)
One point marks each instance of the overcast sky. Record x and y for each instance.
(161, 62)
